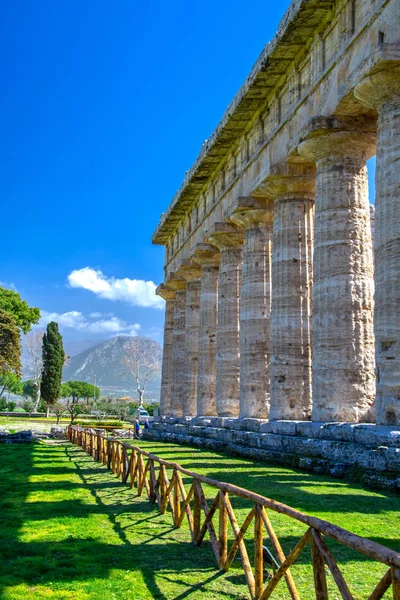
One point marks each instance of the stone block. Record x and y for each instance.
(284, 427)
(266, 427)
(309, 429)
(271, 441)
(343, 432)
(392, 459)
(306, 463)
(229, 423)
(376, 435)
(252, 438)
(250, 424)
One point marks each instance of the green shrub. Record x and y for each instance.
(94, 423)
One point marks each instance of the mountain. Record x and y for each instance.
(105, 363)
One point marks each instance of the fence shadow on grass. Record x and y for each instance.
(81, 558)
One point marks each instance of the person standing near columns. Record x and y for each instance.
(208, 258)
(178, 348)
(343, 380)
(255, 216)
(166, 373)
(381, 90)
(192, 273)
(292, 187)
(229, 240)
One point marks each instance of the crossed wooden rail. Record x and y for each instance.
(139, 468)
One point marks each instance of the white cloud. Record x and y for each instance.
(76, 320)
(134, 291)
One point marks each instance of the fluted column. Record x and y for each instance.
(292, 186)
(229, 240)
(208, 258)
(166, 372)
(343, 385)
(255, 217)
(381, 90)
(178, 345)
(191, 272)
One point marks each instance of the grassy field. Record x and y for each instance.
(70, 530)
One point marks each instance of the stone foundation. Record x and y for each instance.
(361, 452)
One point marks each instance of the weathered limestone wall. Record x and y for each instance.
(356, 451)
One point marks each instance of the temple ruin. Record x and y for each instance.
(276, 306)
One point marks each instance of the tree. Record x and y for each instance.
(53, 361)
(58, 410)
(29, 406)
(25, 316)
(142, 359)
(10, 382)
(33, 345)
(80, 390)
(29, 390)
(10, 345)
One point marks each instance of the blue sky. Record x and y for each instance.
(104, 106)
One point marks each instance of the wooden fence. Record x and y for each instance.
(163, 483)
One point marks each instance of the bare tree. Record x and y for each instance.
(33, 345)
(142, 358)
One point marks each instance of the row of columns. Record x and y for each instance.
(274, 315)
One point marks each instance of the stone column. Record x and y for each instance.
(292, 186)
(343, 385)
(208, 257)
(166, 372)
(178, 348)
(381, 90)
(191, 272)
(229, 240)
(255, 217)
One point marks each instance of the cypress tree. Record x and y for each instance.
(53, 362)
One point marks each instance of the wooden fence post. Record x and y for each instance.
(223, 530)
(196, 513)
(395, 583)
(318, 563)
(258, 553)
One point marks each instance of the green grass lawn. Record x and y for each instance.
(71, 530)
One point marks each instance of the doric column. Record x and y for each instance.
(229, 240)
(191, 272)
(255, 217)
(178, 344)
(166, 373)
(381, 90)
(292, 186)
(208, 258)
(343, 381)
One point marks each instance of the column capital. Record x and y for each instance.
(206, 255)
(380, 87)
(290, 181)
(225, 236)
(163, 291)
(176, 282)
(328, 136)
(382, 83)
(189, 270)
(252, 212)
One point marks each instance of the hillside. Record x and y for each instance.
(105, 362)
